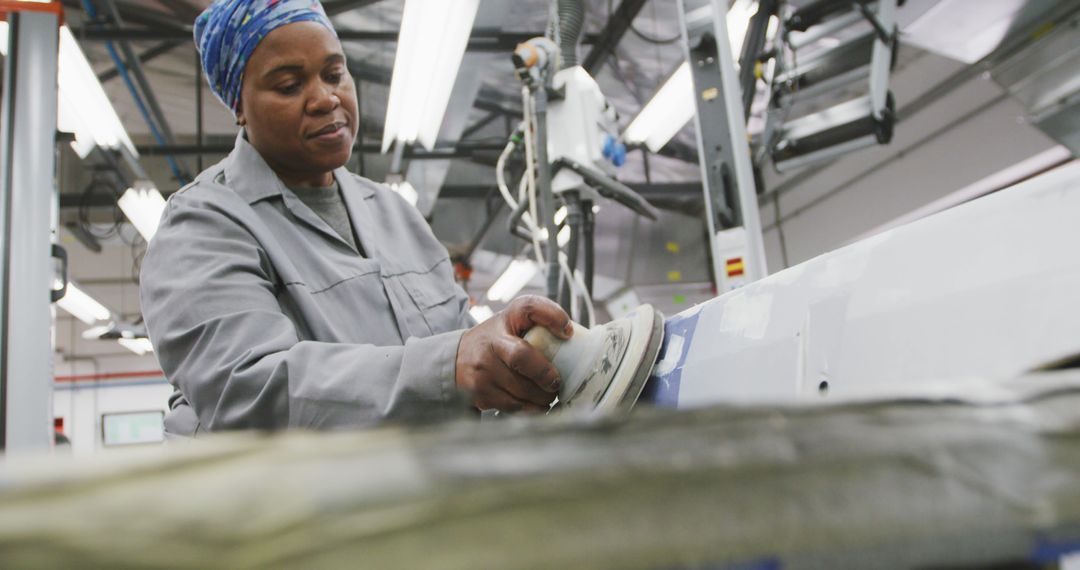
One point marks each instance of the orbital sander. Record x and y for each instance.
(604, 368)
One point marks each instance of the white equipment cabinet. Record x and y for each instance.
(987, 290)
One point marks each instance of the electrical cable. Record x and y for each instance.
(645, 37)
(653, 40)
(516, 204)
(530, 168)
(123, 71)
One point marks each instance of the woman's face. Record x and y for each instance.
(298, 103)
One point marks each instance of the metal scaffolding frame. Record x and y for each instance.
(27, 197)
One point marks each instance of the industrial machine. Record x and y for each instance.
(828, 98)
(919, 309)
(984, 290)
(569, 141)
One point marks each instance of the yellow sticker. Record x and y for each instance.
(674, 275)
(710, 94)
(673, 247)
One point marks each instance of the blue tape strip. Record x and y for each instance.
(662, 388)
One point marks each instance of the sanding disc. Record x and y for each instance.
(646, 336)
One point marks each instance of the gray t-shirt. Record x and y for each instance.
(330, 206)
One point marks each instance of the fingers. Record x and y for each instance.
(495, 398)
(527, 364)
(531, 310)
(500, 370)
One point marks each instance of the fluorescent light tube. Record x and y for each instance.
(83, 306)
(481, 313)
(666, 113)
(139, 346)
(83, 107)
(143, 206)
(517, 275)
(673, 105)
(431, 44)
(94, 333)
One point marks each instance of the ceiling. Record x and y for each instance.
(956, 126)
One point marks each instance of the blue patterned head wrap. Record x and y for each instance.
(228, 31)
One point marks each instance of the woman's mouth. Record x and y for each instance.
(331, 132)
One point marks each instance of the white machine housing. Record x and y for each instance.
(988, 290)
(578, 125)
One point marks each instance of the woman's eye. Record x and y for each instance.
(334, 77)
(288, 88)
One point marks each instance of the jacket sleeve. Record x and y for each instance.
(208, 297)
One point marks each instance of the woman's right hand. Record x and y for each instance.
(499, 370)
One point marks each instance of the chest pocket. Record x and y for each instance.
(435, 296)
(347, 303)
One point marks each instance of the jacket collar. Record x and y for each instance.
(247, 173)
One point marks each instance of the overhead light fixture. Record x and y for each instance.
(139, 346)
(431, 44)
(517, 275)
(666, 113)
(672, 107)
(143, 206)
(83, 107)
(130, 336)
(481, 313)
(95, 333)
(83, 306)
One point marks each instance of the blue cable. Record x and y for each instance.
(122, 69)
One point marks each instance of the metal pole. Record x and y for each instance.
(727, 176)
(144, 86)
(737, 138)
(27, 177)
(547, 200)
(752, 46)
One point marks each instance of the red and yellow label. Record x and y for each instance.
(735, 267)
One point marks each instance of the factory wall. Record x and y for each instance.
(951, 143)
(80, 398)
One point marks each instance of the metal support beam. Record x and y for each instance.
(723, 150)
(27, 191)
(133, 65)
(461, 150)
(138, 13)
(656, 194)
(612, 34)
(480, 124)
(148, 55)
(480, 40)
(341, 6)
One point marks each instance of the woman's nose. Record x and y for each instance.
(324, 100)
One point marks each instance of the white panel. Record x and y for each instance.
(980, 292)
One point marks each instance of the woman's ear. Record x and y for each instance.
(240, 119)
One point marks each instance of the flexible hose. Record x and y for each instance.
(571, 23)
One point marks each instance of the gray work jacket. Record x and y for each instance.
(263, 317)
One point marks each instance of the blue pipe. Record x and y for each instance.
(123, 71)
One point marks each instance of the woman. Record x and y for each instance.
(283, 291)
